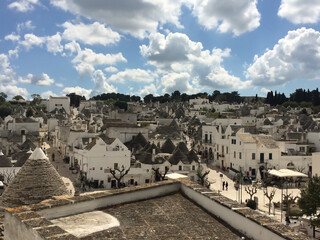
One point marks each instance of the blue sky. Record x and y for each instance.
(56, 47)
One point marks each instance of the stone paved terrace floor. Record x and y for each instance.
(168, 217)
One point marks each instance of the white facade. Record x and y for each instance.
(97, 161)
(59, 103)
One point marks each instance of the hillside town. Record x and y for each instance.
(96, 145)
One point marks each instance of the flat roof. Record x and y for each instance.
(286, 173)
(169, 217)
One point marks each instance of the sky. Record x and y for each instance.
(139, 47)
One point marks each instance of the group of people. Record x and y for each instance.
(225, 185)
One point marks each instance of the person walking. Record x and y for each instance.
(287, 220)
(227, 186)
(223, 184)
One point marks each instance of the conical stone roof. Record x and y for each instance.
(182, 146)
(192, 156)
(168, 146)
(36, 181)
(177, 156)
(4, 161)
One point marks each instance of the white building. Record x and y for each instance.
(59, 103)
(99, 156)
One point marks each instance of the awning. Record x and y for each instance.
(286, 173)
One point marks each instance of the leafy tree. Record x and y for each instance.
(29, 112)
(36, 99)
(18, 97)
(309, 201)
(75, 99)
(5, 110)
(148, 98)
(3, 97)
(121, 105)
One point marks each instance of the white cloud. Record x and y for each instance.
(178, 54)
(47, 94)
(31, 40)
(148, 89)
(100, 84)
(111, 69)
(134, 75)
(137, 17)
(72, 47)
(12, 37)
(12, 91)
(236, 16)
(91, 34)
(77, 90)
(54, 44)
(86, 60)
(25, 26)
(265, 90)
(296, 56)
(177, 81)
(41, 79)
(300, 11)
(23, 5)
(7, 75)
(59, 84)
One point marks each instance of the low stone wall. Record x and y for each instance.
(33, 222)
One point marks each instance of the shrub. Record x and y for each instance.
(295, 212)
(252, 204)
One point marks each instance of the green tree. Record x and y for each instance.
(18, 97)
(29, 112)
(3, 97)
(309, 201)
(5, 110)
(36, 99)
(75, 99)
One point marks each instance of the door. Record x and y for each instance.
(113, 183)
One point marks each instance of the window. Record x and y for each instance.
(193, 167)
(234, 154)
(253, 156)
(227, 150)
(101, 168)
(239, 155)
(192, 178)
(233, 141)
(261, 157)
(302, 149)
(206, 138)
(115, 166)
(270, 156)
(109, 179)
(180, 168)
(93, 168)
(147, 181)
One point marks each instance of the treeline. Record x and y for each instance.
(300, 98)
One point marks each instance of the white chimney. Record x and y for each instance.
(153, 154)
(24, 138)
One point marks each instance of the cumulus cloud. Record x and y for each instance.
(12, 37)
(300, 11)
(111, 69)
(54, 44)
(178, 54)
(134, 75)
(86, 60)
(7, 75)
(25, 26)
(12, 91)
(148, 89)
(137, 17)
(23, 5)
(72, 47)
(100, 84)
(265, 90)
(296, 56)
(95, 33)
(228, 16)
(47, 94)
(174, 81)
(77, 90)
(41, 79)
(31, 40)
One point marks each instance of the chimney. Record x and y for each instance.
(153, 154)
(24, 138)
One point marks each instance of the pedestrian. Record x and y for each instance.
(223, 184)
(227, 186)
